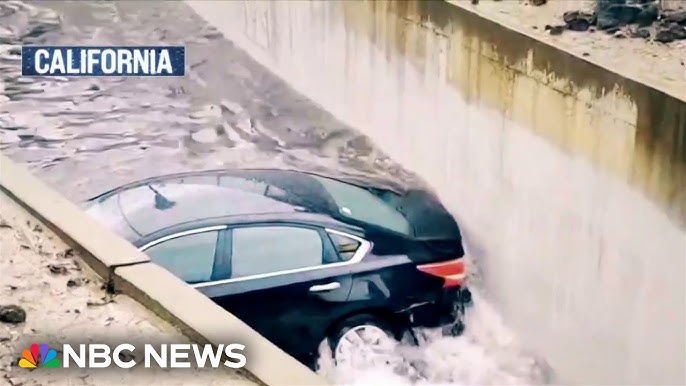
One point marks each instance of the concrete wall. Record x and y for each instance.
(570, 181)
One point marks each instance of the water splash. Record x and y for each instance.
(486, 354)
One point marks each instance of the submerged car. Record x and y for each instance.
(300, 257)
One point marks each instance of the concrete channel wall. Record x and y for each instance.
(131, 272)
(568, 179)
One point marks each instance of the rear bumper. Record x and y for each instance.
(447, 309)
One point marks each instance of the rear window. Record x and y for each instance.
(361, 205)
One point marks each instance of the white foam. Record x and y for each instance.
(487, 353)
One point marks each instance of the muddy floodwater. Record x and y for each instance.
(87, 135)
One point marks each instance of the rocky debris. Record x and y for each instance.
(578, 20)
(537, 3)
(105, 300)
(67, 254)
(57, 269)
(671, 33)
(12, 314)
(675, 16)
(627, 18)
(642, 33)
(555, 29)
(77, 282)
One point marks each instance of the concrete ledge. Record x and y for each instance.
(102, 249)
(131, 272)
(202, 320)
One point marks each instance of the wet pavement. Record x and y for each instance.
(87, 135)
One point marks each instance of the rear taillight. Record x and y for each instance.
(453, 272)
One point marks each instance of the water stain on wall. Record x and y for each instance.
(629, 129)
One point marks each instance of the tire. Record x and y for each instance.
(359, 322)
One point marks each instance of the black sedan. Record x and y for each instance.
(300, 257)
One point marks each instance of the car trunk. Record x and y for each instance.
(433, 226)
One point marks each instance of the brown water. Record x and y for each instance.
(85, 135)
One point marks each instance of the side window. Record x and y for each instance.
(267, 249)
(191, 257)
(345, 246)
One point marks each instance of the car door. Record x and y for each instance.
(286, 281)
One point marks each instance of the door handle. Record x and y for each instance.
(325, 287)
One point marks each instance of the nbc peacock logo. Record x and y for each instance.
(39, 356)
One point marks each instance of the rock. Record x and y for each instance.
(12, 314)
(675, 16)
(626, 14)
(126, 356)
(570, 16)
(555, 29)
(56, 269)
(664, 36)
(579, 25)
(68, 253)
(620, 35)
(648, 15)
(642, 33)
(670, 33)
(615, 13)
(578, 21)
(71, 283)
(538, 3)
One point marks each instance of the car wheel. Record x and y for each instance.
(363, 340)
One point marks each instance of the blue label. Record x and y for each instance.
(103, 61)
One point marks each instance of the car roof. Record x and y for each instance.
(158, 203)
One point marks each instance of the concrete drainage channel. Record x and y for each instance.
(126, 270)
(561, 156)
(399, 84)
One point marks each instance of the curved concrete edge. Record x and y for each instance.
(131, 273)
(102, 248)
(202, 320)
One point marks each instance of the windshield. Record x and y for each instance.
(362, 205)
